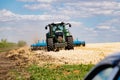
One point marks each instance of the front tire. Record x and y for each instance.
(50, 46)
(69, 40)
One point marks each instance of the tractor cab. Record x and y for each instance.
(58, 31)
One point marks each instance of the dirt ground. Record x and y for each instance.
(90, 54)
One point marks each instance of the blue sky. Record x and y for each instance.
(92, 20)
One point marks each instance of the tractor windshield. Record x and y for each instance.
(58, 27)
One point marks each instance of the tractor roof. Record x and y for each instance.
(62, 23)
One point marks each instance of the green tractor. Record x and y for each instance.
(59, 37)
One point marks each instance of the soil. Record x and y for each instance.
(5, 66)
(18, 59)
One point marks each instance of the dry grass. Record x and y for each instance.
(91, 54)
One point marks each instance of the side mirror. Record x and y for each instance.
(69, 25)
(46, 27)
(62, 23)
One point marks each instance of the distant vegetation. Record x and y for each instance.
(21, 43)
(6, 45)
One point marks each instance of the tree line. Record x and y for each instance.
(5, 44)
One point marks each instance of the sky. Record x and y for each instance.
(94, 21)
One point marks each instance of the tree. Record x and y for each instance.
(3, 43)
(21, 43)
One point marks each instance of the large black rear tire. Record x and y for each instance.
(50, 46)
(83, 45)
(69, 40)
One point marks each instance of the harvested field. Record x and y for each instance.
(91, 54)
(22, 57)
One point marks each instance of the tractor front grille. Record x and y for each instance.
(60, 45)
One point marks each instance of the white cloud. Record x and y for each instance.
(18, 26)
(6, 29)
(5, 12)
(108, 31)
(6, 15)
(112, 23)
(44, 6)
(104, 27)
(96, 7)
(78, 8)
(75, 23)
(46, 1)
